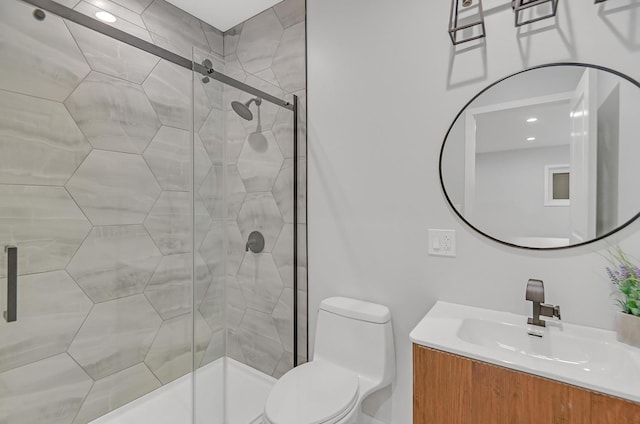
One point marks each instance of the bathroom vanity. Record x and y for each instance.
(479, 366)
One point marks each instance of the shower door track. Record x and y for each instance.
(100, 27)
(94, 24)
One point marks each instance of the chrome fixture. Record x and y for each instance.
(468, 27)
(535, 294)
(255, 242)
(11, 314)
(520, 6)
(242, 109)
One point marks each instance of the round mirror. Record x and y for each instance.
(547, 158)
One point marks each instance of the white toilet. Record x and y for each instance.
(354, 356)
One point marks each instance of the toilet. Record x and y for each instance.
(354, 357)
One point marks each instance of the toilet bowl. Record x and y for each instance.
(354, 356)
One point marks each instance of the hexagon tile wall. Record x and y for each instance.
(94, 162)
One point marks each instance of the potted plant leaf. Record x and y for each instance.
(625, 276)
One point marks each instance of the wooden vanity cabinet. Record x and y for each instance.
(451, 389)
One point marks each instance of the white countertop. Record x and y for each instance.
(582, 356)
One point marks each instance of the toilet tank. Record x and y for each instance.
(356, 335)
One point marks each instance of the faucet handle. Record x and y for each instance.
(535, 291)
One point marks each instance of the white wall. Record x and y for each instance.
(509, 194)
(383, 89)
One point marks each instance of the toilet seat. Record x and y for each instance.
(314, 393)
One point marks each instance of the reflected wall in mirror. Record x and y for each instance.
(547, 158)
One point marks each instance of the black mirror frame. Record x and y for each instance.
(548, 65)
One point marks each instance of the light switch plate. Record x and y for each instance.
(442, 242)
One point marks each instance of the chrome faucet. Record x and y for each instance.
(535, 294)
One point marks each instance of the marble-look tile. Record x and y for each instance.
(114, 188)
(283, 254)
(170, 356)
(169, 222)
(39, 142)
(260, 282)
(113, 113)
(235, 136)
(121, 23)
(260, 212)
(113, 57)
(216, 348)
(182, 29)
(302, 257)
(303, 318)
(44, 223)
(233, 69)
(290, 12)
(49, 391)
(283, 190)
(169, 157)
(211, 192)
(213, 304)
(170, 90)
(114, 262)
(284, 365)
(212, 248)
(283, 131)
(236, 304)
(260, 161)
(169, 290)
(137, 6)
(289, 61)
(283, 319)
(265, 114)
(231, 38)
(29, 46)
(233, 349)
(116, 335)
(258, 41)
(115, 391)
(119, 10)
(259, 323)
(212, 134)
(51, 309)
(268, 76)
(215, 37)
(259, 352)
(203, 222)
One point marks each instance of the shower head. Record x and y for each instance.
(242, 109)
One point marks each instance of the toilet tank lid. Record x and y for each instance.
(357, 309)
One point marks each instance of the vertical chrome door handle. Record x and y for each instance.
(11, 314)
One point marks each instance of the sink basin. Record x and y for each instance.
(582, 356)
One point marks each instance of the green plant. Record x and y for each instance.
(626, 277)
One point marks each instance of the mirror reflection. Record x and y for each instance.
(546, 158)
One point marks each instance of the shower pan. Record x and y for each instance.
(124, 223)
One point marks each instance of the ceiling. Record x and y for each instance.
(224, 14)
(508, 129)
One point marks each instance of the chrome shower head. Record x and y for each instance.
(242, 109)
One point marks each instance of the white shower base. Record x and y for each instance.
(246, 394)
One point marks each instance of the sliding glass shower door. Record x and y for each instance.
(96, 199)
(249, 134)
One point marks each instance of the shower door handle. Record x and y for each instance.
(11, 314)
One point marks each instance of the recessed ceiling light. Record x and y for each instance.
(105, 16)
(532, 119)
(531, 139)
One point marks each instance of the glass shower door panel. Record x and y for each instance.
(95, 194)
(210, 228)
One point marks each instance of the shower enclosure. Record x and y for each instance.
(135, 173)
